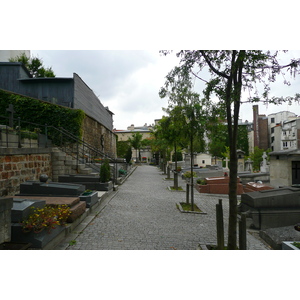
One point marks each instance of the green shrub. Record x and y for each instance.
(105, 171)
(41, 112)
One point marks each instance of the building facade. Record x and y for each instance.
(69, 92)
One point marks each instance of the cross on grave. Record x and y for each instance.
(11, 110)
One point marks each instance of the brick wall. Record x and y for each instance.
(21, 165)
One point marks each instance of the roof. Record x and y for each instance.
(285, 152)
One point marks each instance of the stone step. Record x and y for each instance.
(85, 171)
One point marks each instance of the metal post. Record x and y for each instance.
(46, 134)
(220, 225)
(242, 232)
(19, 132)
(187, 193)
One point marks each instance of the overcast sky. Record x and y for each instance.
(128, 81)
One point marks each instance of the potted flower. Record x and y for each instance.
(90, 197)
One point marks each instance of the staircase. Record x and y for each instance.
(64, 164)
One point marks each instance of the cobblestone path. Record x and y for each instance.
(143, 215)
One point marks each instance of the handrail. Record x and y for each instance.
(60, 137)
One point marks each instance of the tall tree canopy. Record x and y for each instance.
(34, 65)
(227, 73)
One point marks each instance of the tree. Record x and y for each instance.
(169, 130)
(34, 65)
(124, 150)
(186, 106)
(231, 72)
(136, 143)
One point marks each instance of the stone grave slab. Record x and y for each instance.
(55, 189)
(77, 207)
(203, 173)
(254, 187)
(22, 208)
(275, 236)
(219, 185)
(90, 182)
(272, 208)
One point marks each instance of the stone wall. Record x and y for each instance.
(99, 136)
(19, 165)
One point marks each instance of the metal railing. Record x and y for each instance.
(25, 134)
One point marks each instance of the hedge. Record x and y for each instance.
(41, 112)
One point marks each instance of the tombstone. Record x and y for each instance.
(241, 160)
(5, 219)
(22, 208)
(226, 164)
(272, 208)
(249, 165)
(263, 167)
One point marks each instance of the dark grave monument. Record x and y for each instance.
(90, 182)
(54, 189)
(22, 208)
(272, 208)
(5, 219)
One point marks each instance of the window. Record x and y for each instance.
(272, 130)
(272, 120)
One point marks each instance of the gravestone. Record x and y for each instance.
(5, 219)
(272, 208)
(249, 165)
(22, 208)
(264, 167)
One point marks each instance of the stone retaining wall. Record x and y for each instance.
(22, 165)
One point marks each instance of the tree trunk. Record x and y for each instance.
(175, 171)
(192, 170)
(233, 95)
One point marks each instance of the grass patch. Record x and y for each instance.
(178, 189)
(72, 243)
(188, 207)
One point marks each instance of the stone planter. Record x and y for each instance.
(90, 199)
(107, 186)
(37, 240)
(289, 246)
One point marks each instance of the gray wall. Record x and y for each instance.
(85, 99)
